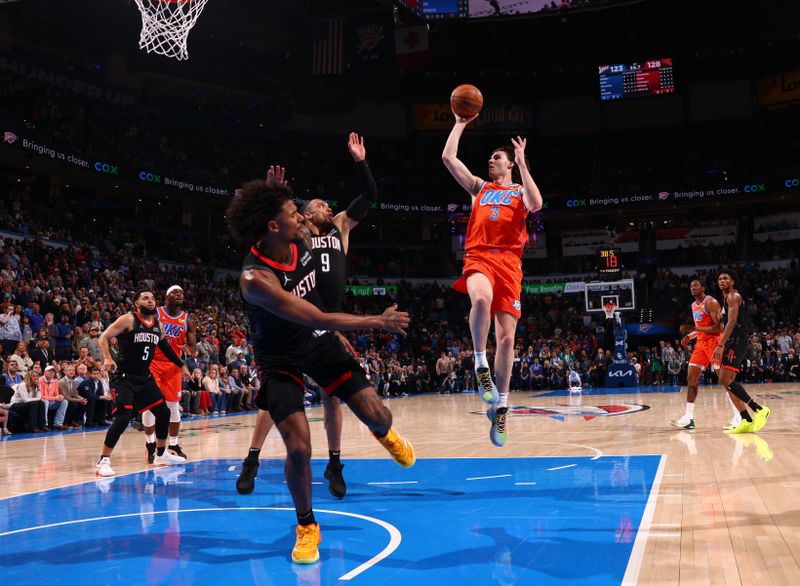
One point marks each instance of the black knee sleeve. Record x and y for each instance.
(738, 390)
(161, 413)
(122, 417)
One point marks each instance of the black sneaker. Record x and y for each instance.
(176, 449)
(333, 474)
(151, 452)
(247, 477)
(137, 425)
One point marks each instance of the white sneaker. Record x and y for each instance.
(683, 422)
(733, 424)
(103, 467)
(222, 412)
(168, 459)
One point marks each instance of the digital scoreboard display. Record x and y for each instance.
(634, 80)
(432, 9)
(609, 261)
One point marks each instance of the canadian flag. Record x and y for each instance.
(411, 46)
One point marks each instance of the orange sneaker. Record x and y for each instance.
(305, 548)
(401, 449)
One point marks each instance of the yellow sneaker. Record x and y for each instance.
(401, 449)
(760, 418)
(305, 548)
(743, 427)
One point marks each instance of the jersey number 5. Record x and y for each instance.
(495, 213)
(325, 259)
(146, 354)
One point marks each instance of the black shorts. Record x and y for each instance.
(135, 390)
(326, 361)
(734, 353)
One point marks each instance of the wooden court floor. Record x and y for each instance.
(727, 508)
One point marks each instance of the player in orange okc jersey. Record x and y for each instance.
(180, 330)
(706, 330)
(492, 274)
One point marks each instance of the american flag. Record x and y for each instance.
(327, 46)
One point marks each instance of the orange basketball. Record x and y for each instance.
(466, 100)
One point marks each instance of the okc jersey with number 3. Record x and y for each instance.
(497, 220)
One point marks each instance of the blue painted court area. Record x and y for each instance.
(444, 521)
(614, 391)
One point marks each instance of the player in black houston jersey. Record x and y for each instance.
(730, 353)
(138, 334)
(279, 286)
(329, 239)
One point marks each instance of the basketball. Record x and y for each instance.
(466, 100)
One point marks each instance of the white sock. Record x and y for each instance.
(480, 360)
(173, 440)
(502, 401)
(690, 410)
(736, 413)
(150, 438)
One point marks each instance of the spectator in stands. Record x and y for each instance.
(538, 377)
(211, 385)
(97, 402)
(53, 399)
(37, 319)
(77, 337)
(10, 333)
(25, 328)
(64, 331)
(673, 368)
(28, 405)
(76, 404)
(24, 362)
(12, 376)
(42, 353)
(657, 368)
(193, 389)
(91, 343)
(52, 330)
(792, 368)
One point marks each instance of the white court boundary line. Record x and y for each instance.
(395, 536)
(637, 553)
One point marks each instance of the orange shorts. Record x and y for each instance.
(703, 352)
(504, 271)
(168, 378)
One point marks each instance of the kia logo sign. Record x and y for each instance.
(149, 177)
(106, 168)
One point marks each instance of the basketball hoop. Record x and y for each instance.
(609, 309)
(166, 25)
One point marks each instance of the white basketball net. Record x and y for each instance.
(609, 309)
(166, 25)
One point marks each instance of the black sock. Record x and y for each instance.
(160, 451)
(334, 457)
(746, 416)
(101, 457)
(306, 519)
(253, 453)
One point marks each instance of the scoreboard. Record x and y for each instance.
(635, 80)
(609, 261)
